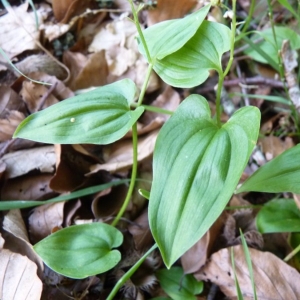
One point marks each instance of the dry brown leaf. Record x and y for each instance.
(272, 146)
(18, 278)
(1, 242)
(16, 238)
(170, 9)
(121, 155)
(43, 219)
(27, 188)
(22, 162)
(10, 100)
(18, 30)
(9, 124)
(34, 95)
(274, 279)
(86, 71)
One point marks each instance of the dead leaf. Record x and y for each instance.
(18, 278)
(274, 279)
(10, 100)
(121, 154)
(27, 188)
(86, 71)
(169, 9)
(16, 238)
(43, 219)
(22, 162)
(9, 124)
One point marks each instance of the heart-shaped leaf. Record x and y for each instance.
(167, 37)
(82, 250)
(101, 116)
(196, 168)
(281, 174)
(190, 65)
(178, 285)
(279, 215)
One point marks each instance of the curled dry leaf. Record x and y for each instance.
(10, 100)
(274, 279)
(27, 188)
(43, 219)
(86, 71)
(121, 155)
(18, 278)
(16, 238)
(22, 162)
(36, 96)
(170, 9)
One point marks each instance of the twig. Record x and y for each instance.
(46, 95)
(243, 88)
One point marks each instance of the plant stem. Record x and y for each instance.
(145, 84)
(223, 75)
(133, 175)
(138, 27)
(293, 253)
(129, 273)
(250, 14)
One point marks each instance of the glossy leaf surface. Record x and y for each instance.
(281, 174)
(177, 285)
(190, 65)
(82, 250)
(167, 37)
(101, 116)
(279, 215)
(196, 168)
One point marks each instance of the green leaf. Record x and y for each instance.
(167, 37)
(278, 215)
(101, 116)
(196, 167)
(281, 174)
(9, 204)
(190, 65)
(82, 250)
(177, 285)
(268, 44)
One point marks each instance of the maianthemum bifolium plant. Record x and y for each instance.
(197, 161)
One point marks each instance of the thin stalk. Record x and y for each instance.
(293, 253)
(133, 175)
(223, 75)
(138, 27)
(250, 14)
(129, 273)
(145, 84)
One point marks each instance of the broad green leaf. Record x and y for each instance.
(278, 215)
(268, 44)
(101, 116)
(196, 167)
(190, 65)
(82, 250)
(9, 204)
(281, 174)
(177, 285)
(167, 37)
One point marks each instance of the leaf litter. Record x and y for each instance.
(97, 45)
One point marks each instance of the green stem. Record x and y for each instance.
(250, 14)
(293, 253)
(145, 84)
(138, 27)
(133, 175)
(129, 273)
(223, 74)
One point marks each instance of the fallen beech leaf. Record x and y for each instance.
(274, 279)
(16, 238)
(18, 278)
(22, 162)
(27, 188)
(8, 125)
(170, 9)
(121, 157)
(86, 71)
(33, 95)
(43, 219)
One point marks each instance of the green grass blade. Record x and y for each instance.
(237, 285)
(266, 97)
